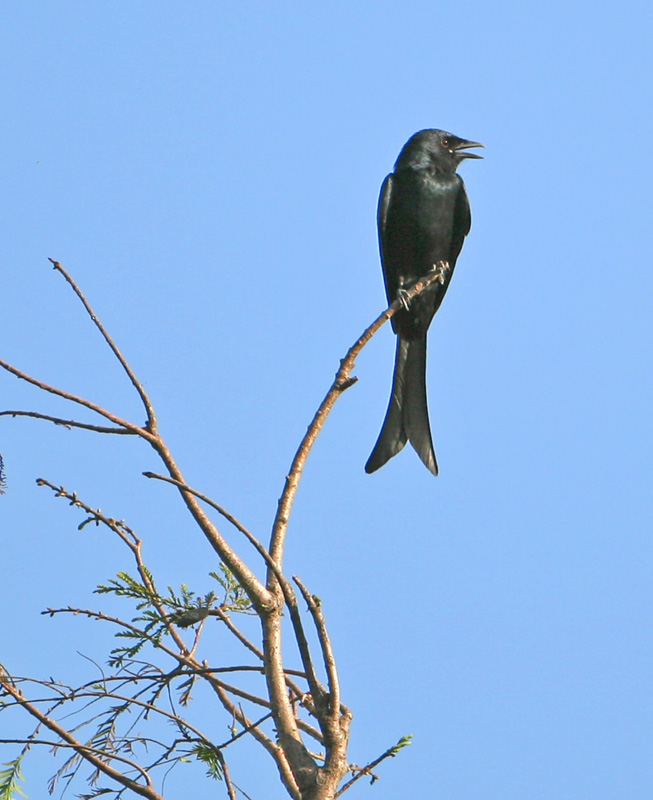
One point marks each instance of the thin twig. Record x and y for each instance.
(206, 499)
(218, 612)
(127, 535)
(181, 658)
(224, 617)
(256, 591)
(147, 403)
(61, 689)
(327, 651)
(68, 694)
(98, 761)
(67, 423)
(128, 699)
(391, 752)
(73, 398)
(276, 752)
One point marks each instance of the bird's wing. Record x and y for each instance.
(381, 218)
(462, 222)
(384, 202)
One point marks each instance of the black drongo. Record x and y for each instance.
(423, 218)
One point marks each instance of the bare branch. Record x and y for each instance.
(149, 410)
(231, 792)
(206, 499)
(304, 767)
(67, 423)
(256, 591)
(342, 381)
(258, 594)
(327, 651)
(129, 426)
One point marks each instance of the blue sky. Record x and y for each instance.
(209, 173)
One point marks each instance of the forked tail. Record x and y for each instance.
(407, 417)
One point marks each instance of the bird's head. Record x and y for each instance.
(434, 149)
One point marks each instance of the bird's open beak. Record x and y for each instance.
(463, 144)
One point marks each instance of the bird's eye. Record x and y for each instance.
(445, 143)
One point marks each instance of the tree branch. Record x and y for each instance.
(304, 767)
(303, 773)
(129, 426)
(391, 752)
(100, 763)
(342, 381)
(149, 410)
(220, 509)
(327, 651)
(67, 423)
(256, 591)
(289, 595)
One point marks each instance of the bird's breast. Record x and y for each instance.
(420, 219)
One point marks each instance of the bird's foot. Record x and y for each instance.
(404, 298)
(442, 268)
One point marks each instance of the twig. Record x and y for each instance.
(224, 617)
(260, 597)
(181, 657)
(67, 423)
(335, 720)
(99, 762)
(391, 752)
(218, 612)
(127, 535)
(73, 398)
(206, 499)
(149, 410)
(327, 650)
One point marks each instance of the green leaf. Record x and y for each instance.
(9, 778)
(211, 757)
(403, 742)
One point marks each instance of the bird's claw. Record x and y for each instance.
(442, 268)
(404, 298)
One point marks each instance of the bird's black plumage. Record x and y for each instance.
(423, 218)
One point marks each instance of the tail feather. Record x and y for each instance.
(407, 416)
(393, 435)
(415, 409)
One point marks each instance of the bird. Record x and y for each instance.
(423, 218)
